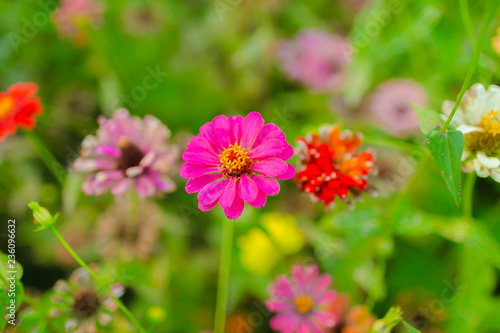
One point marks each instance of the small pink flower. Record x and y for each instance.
(302, 302)
(233, 160)
(391, 105)
(73, 15)
(127, 151)
(317, 59)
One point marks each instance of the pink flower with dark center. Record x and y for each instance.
(233, 160)
(317, 59)
(302, 302)
(391, 105)
(127, 151)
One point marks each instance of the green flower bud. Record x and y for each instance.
(43, 218)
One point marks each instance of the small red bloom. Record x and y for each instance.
(328, 165)
(18, 108)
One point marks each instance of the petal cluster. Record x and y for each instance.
(329, 165)
(73, 15)
(127, 152)
(235, 160)
(478, 118)
(317, 59)
(19, 106)
(301, 302)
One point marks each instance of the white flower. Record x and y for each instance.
(478, 119)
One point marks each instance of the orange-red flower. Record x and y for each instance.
(19, 106)
(329, 165)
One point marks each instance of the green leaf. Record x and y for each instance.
(409, 328)
(446, 148)
(427, 119)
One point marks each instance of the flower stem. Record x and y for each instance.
(468, 197)
(478, 47)
(224, 272)
(122, 307)
(465, 15)
(46, 156)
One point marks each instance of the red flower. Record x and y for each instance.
(329, 166)
(18, 108)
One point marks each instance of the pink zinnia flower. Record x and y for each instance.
(73, 15)
(302, 302)
(127, 151)
(391, 105)
(233, 160)
(317, 59)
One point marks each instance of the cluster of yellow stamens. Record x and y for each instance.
(6, 104)
(488, 140)
(235, 161)
(303, 304)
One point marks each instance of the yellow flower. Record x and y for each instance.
(262, 250)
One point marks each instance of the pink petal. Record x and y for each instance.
(286, 153)
(251, 127)
(269, 186)
(264, 132)
(304, 277)
(205, 207)
(227, 196)
(190, 170)
(327, 297)
(276, 305)
(163, 183)
(144, 186)
(212, 191)
(270, 167)
(200, 157)
(305, 326)
(196, 184)
(267, 149)
(248, 189)
(324, 281)
(236, 124)
(260, 200)
(324, 319)
(234, 212)
(220, 126)
(108, 150)
(206, 132)
(281, 289)
(285, 322)
(288, 174)
(200, 143)
(121, 187)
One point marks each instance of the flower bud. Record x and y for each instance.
(43, 218)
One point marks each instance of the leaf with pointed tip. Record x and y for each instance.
(447, 148)
(427, 119)
(409, 328)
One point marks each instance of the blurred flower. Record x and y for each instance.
(127, 151)
(141, 19)
(391, 105)
(415, 305)
(495, 42)
(80, 303)
(126, 234)
(355, 319)
(317, 59)
(233, 160)
(260, 251)
(19, 106)
(73, 16)
(300, 301)
(356, 5)
(478, 119)
(329, 165)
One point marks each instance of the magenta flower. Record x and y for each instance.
(302, 301)
(127, 151)
(233, 160)
(391, 105)
(317, 59)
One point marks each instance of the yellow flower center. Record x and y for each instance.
(6, 104)
(303, 304)
(487, 141)
(235, 161)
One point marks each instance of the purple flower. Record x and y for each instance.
(302, 302)
(317, 59)
(233, 160)
(391, 105)
(127, 151)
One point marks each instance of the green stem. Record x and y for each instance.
(46, 156)
(122, 307)
(488, 17)
(465, 15)
(468, 192)
(391, 143)
(224, 273)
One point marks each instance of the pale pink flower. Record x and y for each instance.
(317, 59)
(127, 151)
(72, 15)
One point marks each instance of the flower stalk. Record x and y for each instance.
(224, 274)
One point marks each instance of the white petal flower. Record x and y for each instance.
(488, 162)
